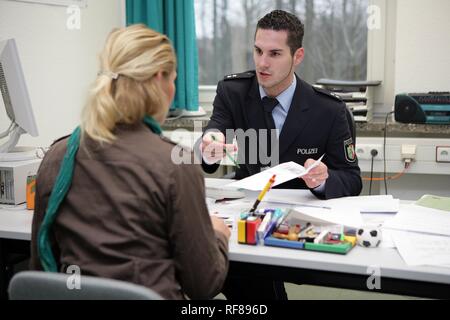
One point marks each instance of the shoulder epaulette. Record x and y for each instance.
(243, 75)
(327, 93)
(59, 139)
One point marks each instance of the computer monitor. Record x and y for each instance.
(15, 98)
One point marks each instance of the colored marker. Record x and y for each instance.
(226, 153)
(263, 193)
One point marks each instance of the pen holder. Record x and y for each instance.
(247, 229)
(255, 227)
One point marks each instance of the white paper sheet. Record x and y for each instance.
(228, 219)
(420, 219)
(422, 249)
(365, 204)
(293, 197)
(284, 172)
(369, 204)
(337, 215)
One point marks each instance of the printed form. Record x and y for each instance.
(284, 172)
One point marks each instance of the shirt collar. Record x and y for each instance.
(284, 98)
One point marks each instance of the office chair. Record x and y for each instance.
(39, 285)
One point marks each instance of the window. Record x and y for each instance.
(335, 37)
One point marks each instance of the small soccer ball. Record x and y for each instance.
(369, 237)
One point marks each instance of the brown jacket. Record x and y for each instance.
(132, 214)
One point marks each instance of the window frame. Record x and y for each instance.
(379, 51)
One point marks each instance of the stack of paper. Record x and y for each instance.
(422, 235)
(421, 219)
(369, 204)
(217, 189)
(422, 249)
(365, 204)
(435, 202)
(346, 217)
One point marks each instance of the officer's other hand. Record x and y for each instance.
(213, 147)
(220, 226)
(316, 176)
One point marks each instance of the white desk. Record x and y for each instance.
(15, 224)
(347, 271)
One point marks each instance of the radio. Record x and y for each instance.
(426, 108)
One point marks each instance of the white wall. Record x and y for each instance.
(411, 50)
(423, 46)
(59, 64)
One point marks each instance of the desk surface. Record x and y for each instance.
(16, 224)
(358, 261)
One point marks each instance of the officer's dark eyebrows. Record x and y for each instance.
(271, 51)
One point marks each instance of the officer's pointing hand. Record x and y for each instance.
(213, 147)
(316, 176)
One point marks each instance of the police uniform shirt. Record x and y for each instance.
(281, 111)
(315, 124)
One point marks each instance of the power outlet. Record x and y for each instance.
(409, 152)
(363, 151)
(443, 154)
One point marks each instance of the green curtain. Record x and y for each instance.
(176, 19)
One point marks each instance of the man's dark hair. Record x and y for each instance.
(280, 20)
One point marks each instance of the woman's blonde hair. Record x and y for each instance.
(125, 89)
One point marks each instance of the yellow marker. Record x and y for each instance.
(263, 193)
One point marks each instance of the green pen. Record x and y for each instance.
(227, 154)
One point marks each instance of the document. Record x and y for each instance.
(387, 240)
(420, 219)
(217, 189)
(228, 219)
(435, 202)
(293, 197)
(365, 204)
(369, 204)
(284, 172)
(338, 215)
(422, 249)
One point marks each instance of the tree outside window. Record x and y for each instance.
(335, 39)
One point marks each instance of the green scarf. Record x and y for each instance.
(59, 192)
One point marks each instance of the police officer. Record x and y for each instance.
(308, 122)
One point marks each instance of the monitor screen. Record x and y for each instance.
(15, 95)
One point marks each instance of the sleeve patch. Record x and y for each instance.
(349, 150)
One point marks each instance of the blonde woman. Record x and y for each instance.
(110, 200)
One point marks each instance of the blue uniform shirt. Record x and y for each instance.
(281, 111)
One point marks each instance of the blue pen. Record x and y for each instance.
(277, 218)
